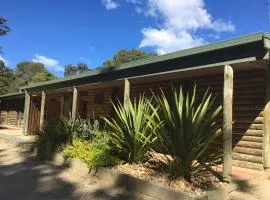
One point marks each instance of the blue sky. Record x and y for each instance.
(60, 32)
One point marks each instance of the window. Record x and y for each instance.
(99, 99)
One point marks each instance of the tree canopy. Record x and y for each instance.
(125, 56)
(29, 72)
(4, 29)
(6, 78)
(75, 69)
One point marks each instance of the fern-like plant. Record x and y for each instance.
(188, 132)
(134, 129)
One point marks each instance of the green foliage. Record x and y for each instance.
(133, 132)
(4, 29)
(79, 149)
(43, 76)
(73, 70)
(6, 77)
(189, 130)
(80, 128)
(27, 72)
(95, 154)
(51, 139)
(101, 153)
(125, 56)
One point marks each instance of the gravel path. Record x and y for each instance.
(22, 177)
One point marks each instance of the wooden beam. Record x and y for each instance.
(62, 100)
(227, 122)
(27, 101)
(126, 92)
(266, 136)
(74, 103)
(42, 110)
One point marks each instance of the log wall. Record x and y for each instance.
(248, 104)
(11, 112)
(96, 103)
(249, 100)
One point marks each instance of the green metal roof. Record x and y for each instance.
(11, 94)
(241, 47)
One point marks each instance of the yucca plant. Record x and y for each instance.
(188, 132)
(134, 129)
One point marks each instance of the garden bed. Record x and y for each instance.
(141, 171)
(156, 185)
(138, 178)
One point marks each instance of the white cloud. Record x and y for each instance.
(166, 40)
(139, 10)
(110, 4)
(134, 1)
(4, 60)
(180, 21)
(49, 63)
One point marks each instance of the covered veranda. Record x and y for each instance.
(237, 72)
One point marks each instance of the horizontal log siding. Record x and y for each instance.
(96, 109)
(11, 113)
(3, 117)
(12, 118)
(248, 106)
(249, 96)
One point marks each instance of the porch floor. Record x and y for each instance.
(16, 135)
(241, 174)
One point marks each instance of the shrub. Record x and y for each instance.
(133, 130)
(80, 128)
(189, 129)
(50, 139)
(101, 153)
(95, 154)
(79, 149)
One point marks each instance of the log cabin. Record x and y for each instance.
(237, 71)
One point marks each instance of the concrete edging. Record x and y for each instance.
(136, 185)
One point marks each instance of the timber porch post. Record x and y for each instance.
(126, 93)
(266, 113)
(74, 103)
(42, 110)
(27, 101)
(227, 122)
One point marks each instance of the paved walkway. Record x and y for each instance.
(24, 178)
(16, 135)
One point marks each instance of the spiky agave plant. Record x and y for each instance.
(134, 129)
(189, 130)
(80, 128)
